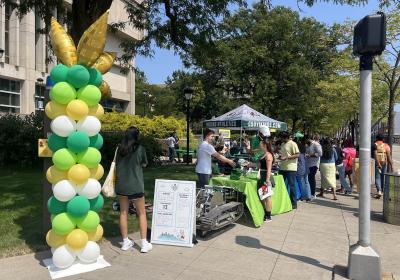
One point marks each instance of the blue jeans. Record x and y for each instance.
(304, 186)
(380, 177)
(171, 154)
(342, 177)
(290, 176)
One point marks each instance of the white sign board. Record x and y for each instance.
(174, 213)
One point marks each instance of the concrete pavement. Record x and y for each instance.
(311, 242)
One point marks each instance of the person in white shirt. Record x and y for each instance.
(204, 153)
(171, 142)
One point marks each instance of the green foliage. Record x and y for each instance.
(18, 139)
(156, 127)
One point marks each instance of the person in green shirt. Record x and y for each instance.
(289, 155)
(129, 185)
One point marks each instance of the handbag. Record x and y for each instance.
(108, 188)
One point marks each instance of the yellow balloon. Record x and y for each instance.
(54, 109)
(105, 90)
(54, 240)
(92, 42)
(97, 234)
(78, 174)
(96, 111)
(97, 172)
(55, 175)
(62, 43)
(77, 239)
(105, 62)
(77, 109)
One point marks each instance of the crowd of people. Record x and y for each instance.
(298, 160)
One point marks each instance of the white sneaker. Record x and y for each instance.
(127, 245)
(147, 247)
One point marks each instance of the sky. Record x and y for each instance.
(164, 62)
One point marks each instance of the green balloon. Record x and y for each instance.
(62, 93)
(95, 77)
(64, 159)
(96, 203)
(88, 222)
(78, 76)
(55, 206)
(91, 157)
(78, 141)
(56, 142)
(78, 206)
(96, 141)
(89, 94)
(59, 73)
(63, 224)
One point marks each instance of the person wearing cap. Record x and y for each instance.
(204, 153)
(289, 155)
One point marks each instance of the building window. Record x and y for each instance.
(111, 105)
(8, 11)
(10, 94)
(39, 97)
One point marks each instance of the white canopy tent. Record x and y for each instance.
(244, 117)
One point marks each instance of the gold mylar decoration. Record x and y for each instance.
(105, 62)
(92, 42)
(62, 43)
(105, 90)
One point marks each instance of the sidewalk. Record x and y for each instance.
(309, 243)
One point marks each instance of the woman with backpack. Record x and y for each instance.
(383, 163)
(129, 185)
(328, 168)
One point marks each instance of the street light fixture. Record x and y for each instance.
(145, 93)
(188, 91)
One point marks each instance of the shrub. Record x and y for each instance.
(157, 127)
(18, 139)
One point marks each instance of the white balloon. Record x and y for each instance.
(90, 253)
(91, 125)
(91, 189)
(63, 257)
(63, 126)
(64, 190)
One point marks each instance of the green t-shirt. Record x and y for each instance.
(289, 149)
(129, 172)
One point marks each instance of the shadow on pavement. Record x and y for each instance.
(252, 242)
(375, 215)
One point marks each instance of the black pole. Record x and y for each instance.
(187, 131)
(46, 191)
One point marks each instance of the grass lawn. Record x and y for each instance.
(21, 207)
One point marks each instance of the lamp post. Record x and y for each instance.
(46, 192)
(145, 93)
(369, 41)
(188, 95)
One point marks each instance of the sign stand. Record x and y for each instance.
(174, 213)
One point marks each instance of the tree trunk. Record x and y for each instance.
(391, 119)
(294, 122)
(84, 13)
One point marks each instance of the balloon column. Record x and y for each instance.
(74, 110)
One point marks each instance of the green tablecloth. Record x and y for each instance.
(280, 200)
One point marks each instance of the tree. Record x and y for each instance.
(270, 59)
(389, 65)
(176, 25)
